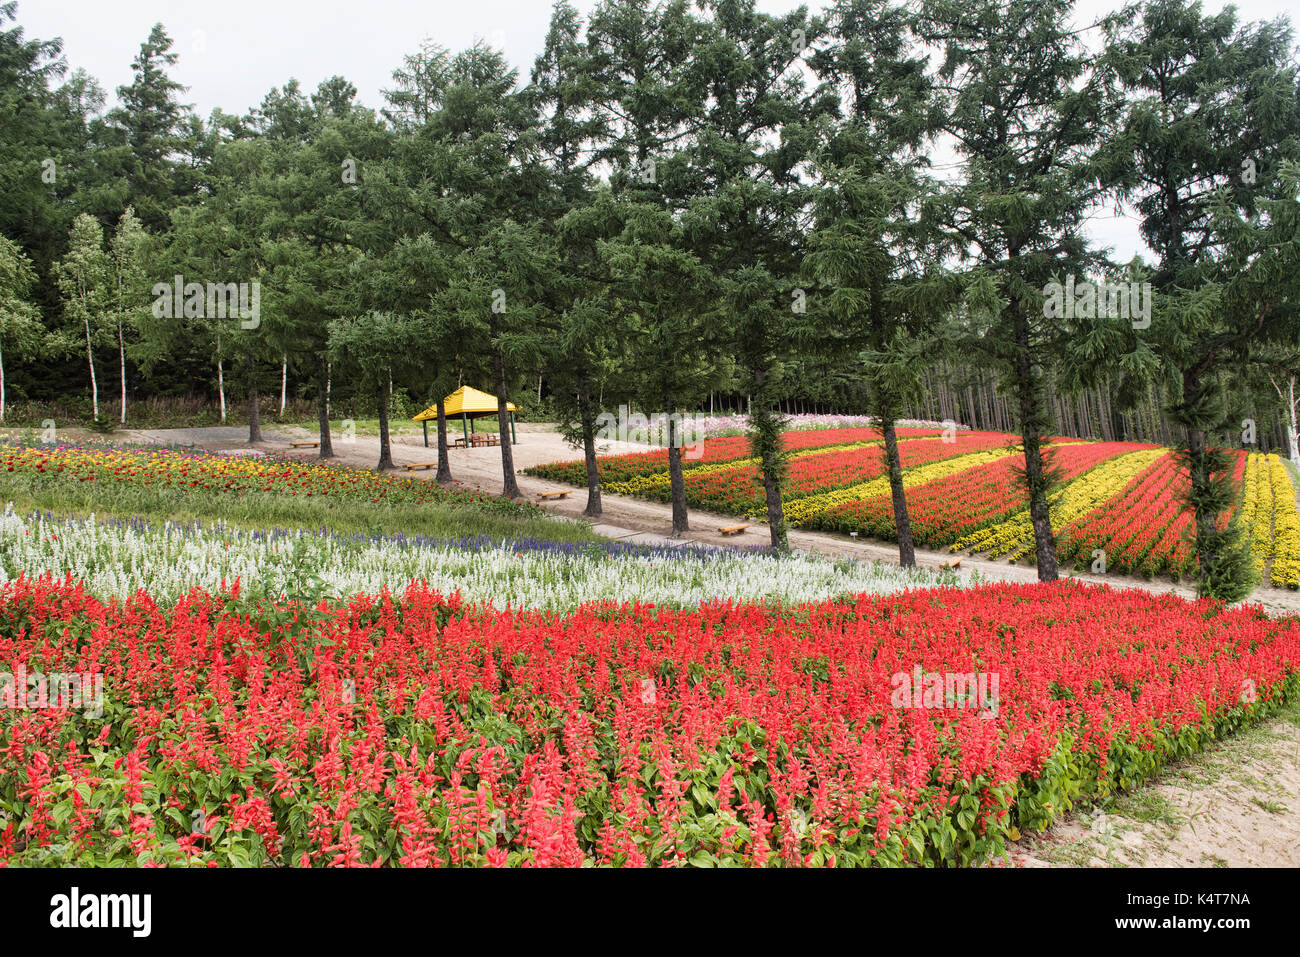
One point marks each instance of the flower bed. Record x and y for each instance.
(734, 488)
(1143, 528)
(1285, 552)
(418, 731)
(118, 559)
(206, 473)
(1086, 491)
(624, 468)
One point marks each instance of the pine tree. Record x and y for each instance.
(565, 93)
(748, 220)
(1023, 108)
(874, 257)
(1212, 116)
(153, 125)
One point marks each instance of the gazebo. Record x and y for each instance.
(470, 404)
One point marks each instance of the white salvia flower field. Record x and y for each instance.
(119, 558)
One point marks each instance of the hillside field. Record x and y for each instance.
(1117, 507)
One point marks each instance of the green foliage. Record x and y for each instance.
(21, 334)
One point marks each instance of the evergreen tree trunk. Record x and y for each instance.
(385, 446)
(323, 412)
(254, 406)
(587, 415)
(1225, 570)
(1031, 437)
(906, 550)
(510, 487)
(2, 386)
(677, 481)
(766, 438)
(444, 462)
(681, 520)
(1198, 474)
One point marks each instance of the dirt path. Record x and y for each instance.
(1234, 805)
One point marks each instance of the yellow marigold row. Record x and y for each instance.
(662, 481)
(1286, 527)
(1256, 515)
(802, 508)
(1089, 491)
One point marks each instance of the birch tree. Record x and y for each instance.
(129, 286)
(83, 279)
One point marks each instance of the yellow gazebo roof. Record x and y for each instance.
(464, 401)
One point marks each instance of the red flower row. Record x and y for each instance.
(944, 510)
(620, 468)
(736, 491)
(420, 732)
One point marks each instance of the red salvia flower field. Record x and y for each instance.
(414, 731)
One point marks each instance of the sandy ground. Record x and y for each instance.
(1235, 805)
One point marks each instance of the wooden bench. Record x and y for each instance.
(733, 530)
(950, 565)
(419, 466)
(547, 496)
(304, 445)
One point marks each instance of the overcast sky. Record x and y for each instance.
(233, 51)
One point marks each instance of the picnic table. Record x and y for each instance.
(476, 441)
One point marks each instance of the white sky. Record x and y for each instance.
(233, 51)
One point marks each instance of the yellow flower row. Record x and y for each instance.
(803, 508)
(1015, 536)
(1286, 527)
(1256, 515)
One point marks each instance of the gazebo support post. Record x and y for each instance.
(514, 439)
(464, 422)
(425, 423)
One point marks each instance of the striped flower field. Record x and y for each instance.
(1117, 502)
